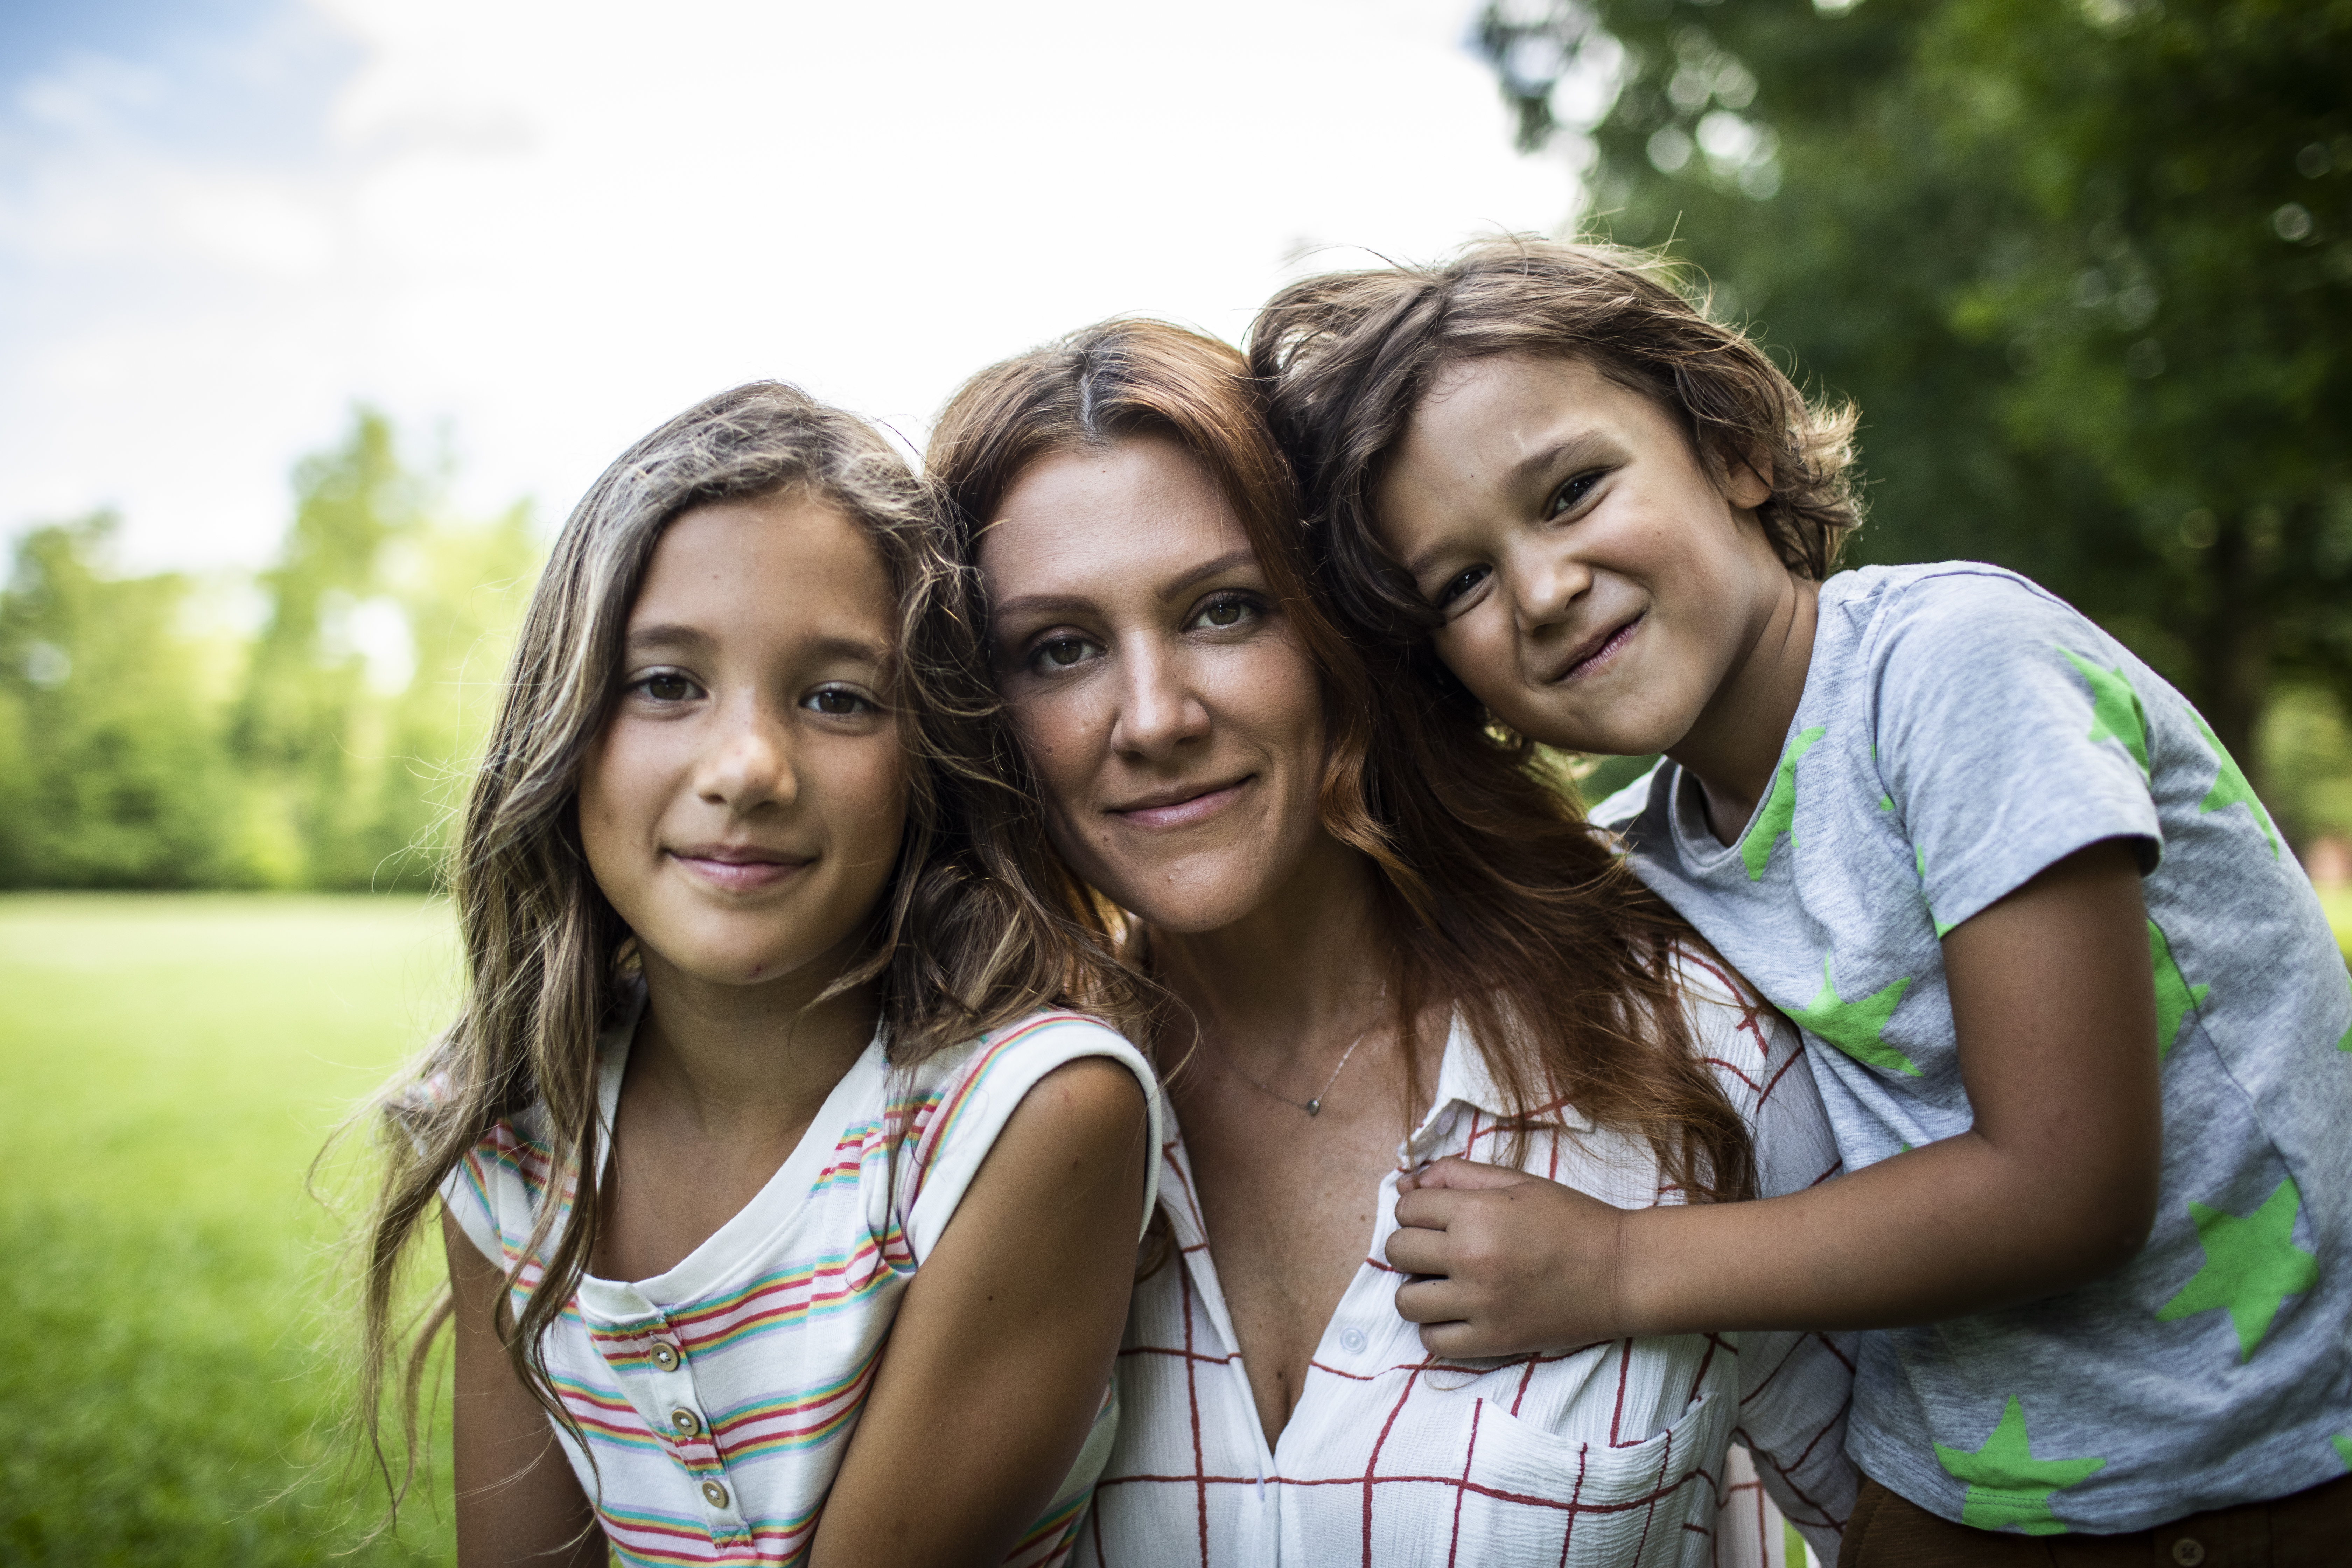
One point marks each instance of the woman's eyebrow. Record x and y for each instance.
(1079, 603)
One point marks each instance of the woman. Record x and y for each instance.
(1373, 920)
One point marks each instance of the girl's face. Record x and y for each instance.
(741, 807)
(1598, 586)
(1173, 720)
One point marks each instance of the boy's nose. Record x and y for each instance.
(1544, 584)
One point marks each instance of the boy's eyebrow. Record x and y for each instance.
(1539, 464)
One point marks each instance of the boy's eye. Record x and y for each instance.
(666, 686)
(1222, 614)
(1062, 653)
(1570, 496)
(1461, 583)
(838, 701)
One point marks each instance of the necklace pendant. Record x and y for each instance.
(1314, 1107)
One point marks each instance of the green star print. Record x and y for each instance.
(2116, 712)
(2174, 996)
(1779, 813)
(2008, 1487)
(1855, 1027)
(2342, 1448)
(2251, 1267)
(2229, 785)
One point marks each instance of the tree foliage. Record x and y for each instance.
(2086, 268)
(144, 744)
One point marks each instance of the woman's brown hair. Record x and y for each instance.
(1347, 357)
(1495, 895)
(961, 942)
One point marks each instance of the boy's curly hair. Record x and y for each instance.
(1347, 357)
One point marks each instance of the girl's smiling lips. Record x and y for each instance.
(1179, 806)
(737, 868)
(1589, 658)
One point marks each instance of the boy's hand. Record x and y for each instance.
(1507, 1262)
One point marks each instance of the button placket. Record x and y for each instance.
(677, 1418)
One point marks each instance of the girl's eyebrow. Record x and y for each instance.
(668, 636)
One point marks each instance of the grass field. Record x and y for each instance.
(168, 1066)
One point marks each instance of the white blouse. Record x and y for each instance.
(1619, 1453)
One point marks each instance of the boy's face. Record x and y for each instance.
(1599, 586)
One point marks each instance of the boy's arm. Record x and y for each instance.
(518, 1501)
(1003, 1345)
(2053, 1185)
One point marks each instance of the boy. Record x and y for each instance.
(2081, 1028)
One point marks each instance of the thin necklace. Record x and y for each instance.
(1314, 1107)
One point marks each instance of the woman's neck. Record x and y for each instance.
(733, 1059)
(1303, 964)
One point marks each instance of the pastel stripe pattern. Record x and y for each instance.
(718, 1399)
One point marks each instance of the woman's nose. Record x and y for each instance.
(1159, 710)
(748, 763)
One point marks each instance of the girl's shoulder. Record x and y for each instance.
(955, 1103)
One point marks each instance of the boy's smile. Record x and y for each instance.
(1601, 591)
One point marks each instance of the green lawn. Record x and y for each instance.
(168, 1066)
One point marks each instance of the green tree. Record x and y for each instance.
(111, 772)
(2086, 268)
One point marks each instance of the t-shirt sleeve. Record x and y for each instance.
(2008, 735)
(471, 1192)
(979, 1097)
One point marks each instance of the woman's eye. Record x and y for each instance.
(837, 701)
(666, 686)
(1461, 583)
(1223, 614)
(1570, 496)
(1061, 653)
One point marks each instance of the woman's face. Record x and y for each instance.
(1173, 718)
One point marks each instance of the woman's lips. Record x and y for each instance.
(735, 872)
(1590, 659)
(1184, 811)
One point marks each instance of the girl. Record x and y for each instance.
(763, 1127)
(1388, 939)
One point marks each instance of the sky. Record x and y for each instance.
(532, 232)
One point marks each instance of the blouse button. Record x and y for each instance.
(1353, 1340)
(714, 1494)
(2187, 1551)
(686, 1421)
(665, 1357)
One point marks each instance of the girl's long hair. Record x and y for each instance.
(963, 941)
(1495, 895)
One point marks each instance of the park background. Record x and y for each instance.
(315, 315)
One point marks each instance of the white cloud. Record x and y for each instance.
(552, 226)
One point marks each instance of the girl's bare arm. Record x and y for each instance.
(1003, 1345)
(518, 1501)
(2053, 1185)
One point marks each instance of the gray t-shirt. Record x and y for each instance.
(1961, 729)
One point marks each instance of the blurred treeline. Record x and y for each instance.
(2084, 265)
(306, 726)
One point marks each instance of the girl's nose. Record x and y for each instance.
(1159, 710)
(748, 763)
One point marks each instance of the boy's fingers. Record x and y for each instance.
(1427, 1208)
(1457, 1339)
(1418, 1251)
(1427, 1301)
(1467, 1175)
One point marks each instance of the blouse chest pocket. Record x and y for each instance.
(1533, 1496)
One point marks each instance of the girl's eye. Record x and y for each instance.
(1223, 614)
(1570, 496)
(1461, 583)
(664, 686)
(1062, 653)
(837, 701)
